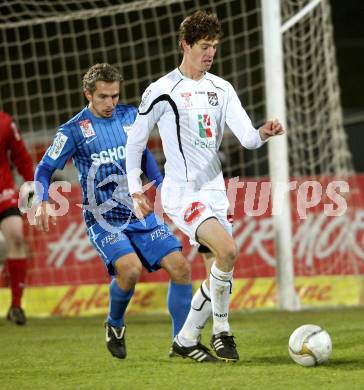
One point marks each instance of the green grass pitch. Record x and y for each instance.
(69, 353)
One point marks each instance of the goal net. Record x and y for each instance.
(47, 46)
(318, 148)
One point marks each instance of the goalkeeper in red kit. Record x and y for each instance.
(13, 153)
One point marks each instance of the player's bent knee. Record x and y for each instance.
(178, 268)
(129, 278)
(128, 272)
(229, 253)
(182, 273)
(133, 274)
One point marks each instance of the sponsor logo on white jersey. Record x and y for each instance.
(57, 146)
(205, 143)
(87, 128)
(206, 133)
(186, 96)
(204, 126)
(109, 155)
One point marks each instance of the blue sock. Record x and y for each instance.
(179, 304)
(119, 300)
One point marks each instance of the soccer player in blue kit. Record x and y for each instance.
(95, 139)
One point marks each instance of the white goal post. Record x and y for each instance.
(278, 153)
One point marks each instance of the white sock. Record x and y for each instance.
(197, 317)
(220, 290)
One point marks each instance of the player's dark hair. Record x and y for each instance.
(200, 25)
(100, 72)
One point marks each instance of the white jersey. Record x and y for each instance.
(191, 116)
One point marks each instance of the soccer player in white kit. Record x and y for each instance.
(191, 107)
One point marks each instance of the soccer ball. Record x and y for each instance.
(310, 345)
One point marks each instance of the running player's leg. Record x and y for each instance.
(125, 267)
(213, 235)
(11, 226)
(128, 269)
(158, 248)
(200, 310)
(220, 285)
(187, 342)
(189, 210)
(203, 217)
(179, 288)
(201, 299)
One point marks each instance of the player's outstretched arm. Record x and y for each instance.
(270, 129)
(42, 179)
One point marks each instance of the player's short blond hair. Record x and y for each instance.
(100, 72)
(200, 25)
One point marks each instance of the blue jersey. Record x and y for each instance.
(97, 147)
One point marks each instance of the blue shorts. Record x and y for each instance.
(151, 242)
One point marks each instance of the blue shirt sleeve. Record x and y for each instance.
(150, 168)
(62, 148)
(42, 179)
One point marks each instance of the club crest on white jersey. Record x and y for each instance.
(212, 98)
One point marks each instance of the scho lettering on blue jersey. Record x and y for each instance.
(109, 155)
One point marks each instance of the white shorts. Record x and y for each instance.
(188, 208)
